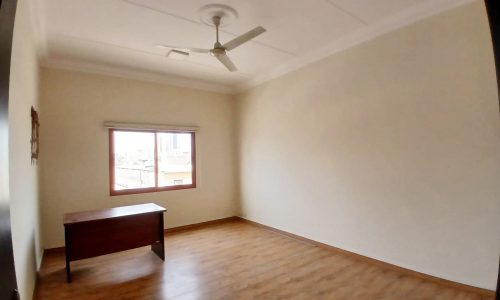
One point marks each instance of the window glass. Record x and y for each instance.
(134, 159)
(174, 159)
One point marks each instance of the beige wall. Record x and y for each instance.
(23, 175)
(390, 149)
(74, 151)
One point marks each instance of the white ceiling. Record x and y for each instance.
(118, 37)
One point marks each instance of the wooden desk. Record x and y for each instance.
(93, 233)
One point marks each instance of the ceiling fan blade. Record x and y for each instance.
(244, 38)
(190, 49)
(224, 59)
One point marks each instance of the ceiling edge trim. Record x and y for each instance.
(405, 18)
(139, 75)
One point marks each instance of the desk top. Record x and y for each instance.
(109, 213)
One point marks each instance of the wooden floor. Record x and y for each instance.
(234, 260)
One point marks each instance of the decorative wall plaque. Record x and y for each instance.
(34, 135)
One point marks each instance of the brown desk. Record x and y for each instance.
(98, 232)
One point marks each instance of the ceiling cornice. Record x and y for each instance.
(402, 19)
(139, 75)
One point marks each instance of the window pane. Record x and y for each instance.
(134, 159)
(174, 159)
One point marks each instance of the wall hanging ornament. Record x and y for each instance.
(34, 135)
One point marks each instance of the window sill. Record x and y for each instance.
(152, 190)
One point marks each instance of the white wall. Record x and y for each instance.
(23, 175)
(74, 152)
(390, 149)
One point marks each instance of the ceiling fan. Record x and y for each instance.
(219, 50)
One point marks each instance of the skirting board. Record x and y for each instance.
(441, 281)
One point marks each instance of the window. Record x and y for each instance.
(143, 161)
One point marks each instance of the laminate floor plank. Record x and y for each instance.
(235, 260)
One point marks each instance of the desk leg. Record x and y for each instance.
(159, 248)
(67, 251)
(68, 271)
